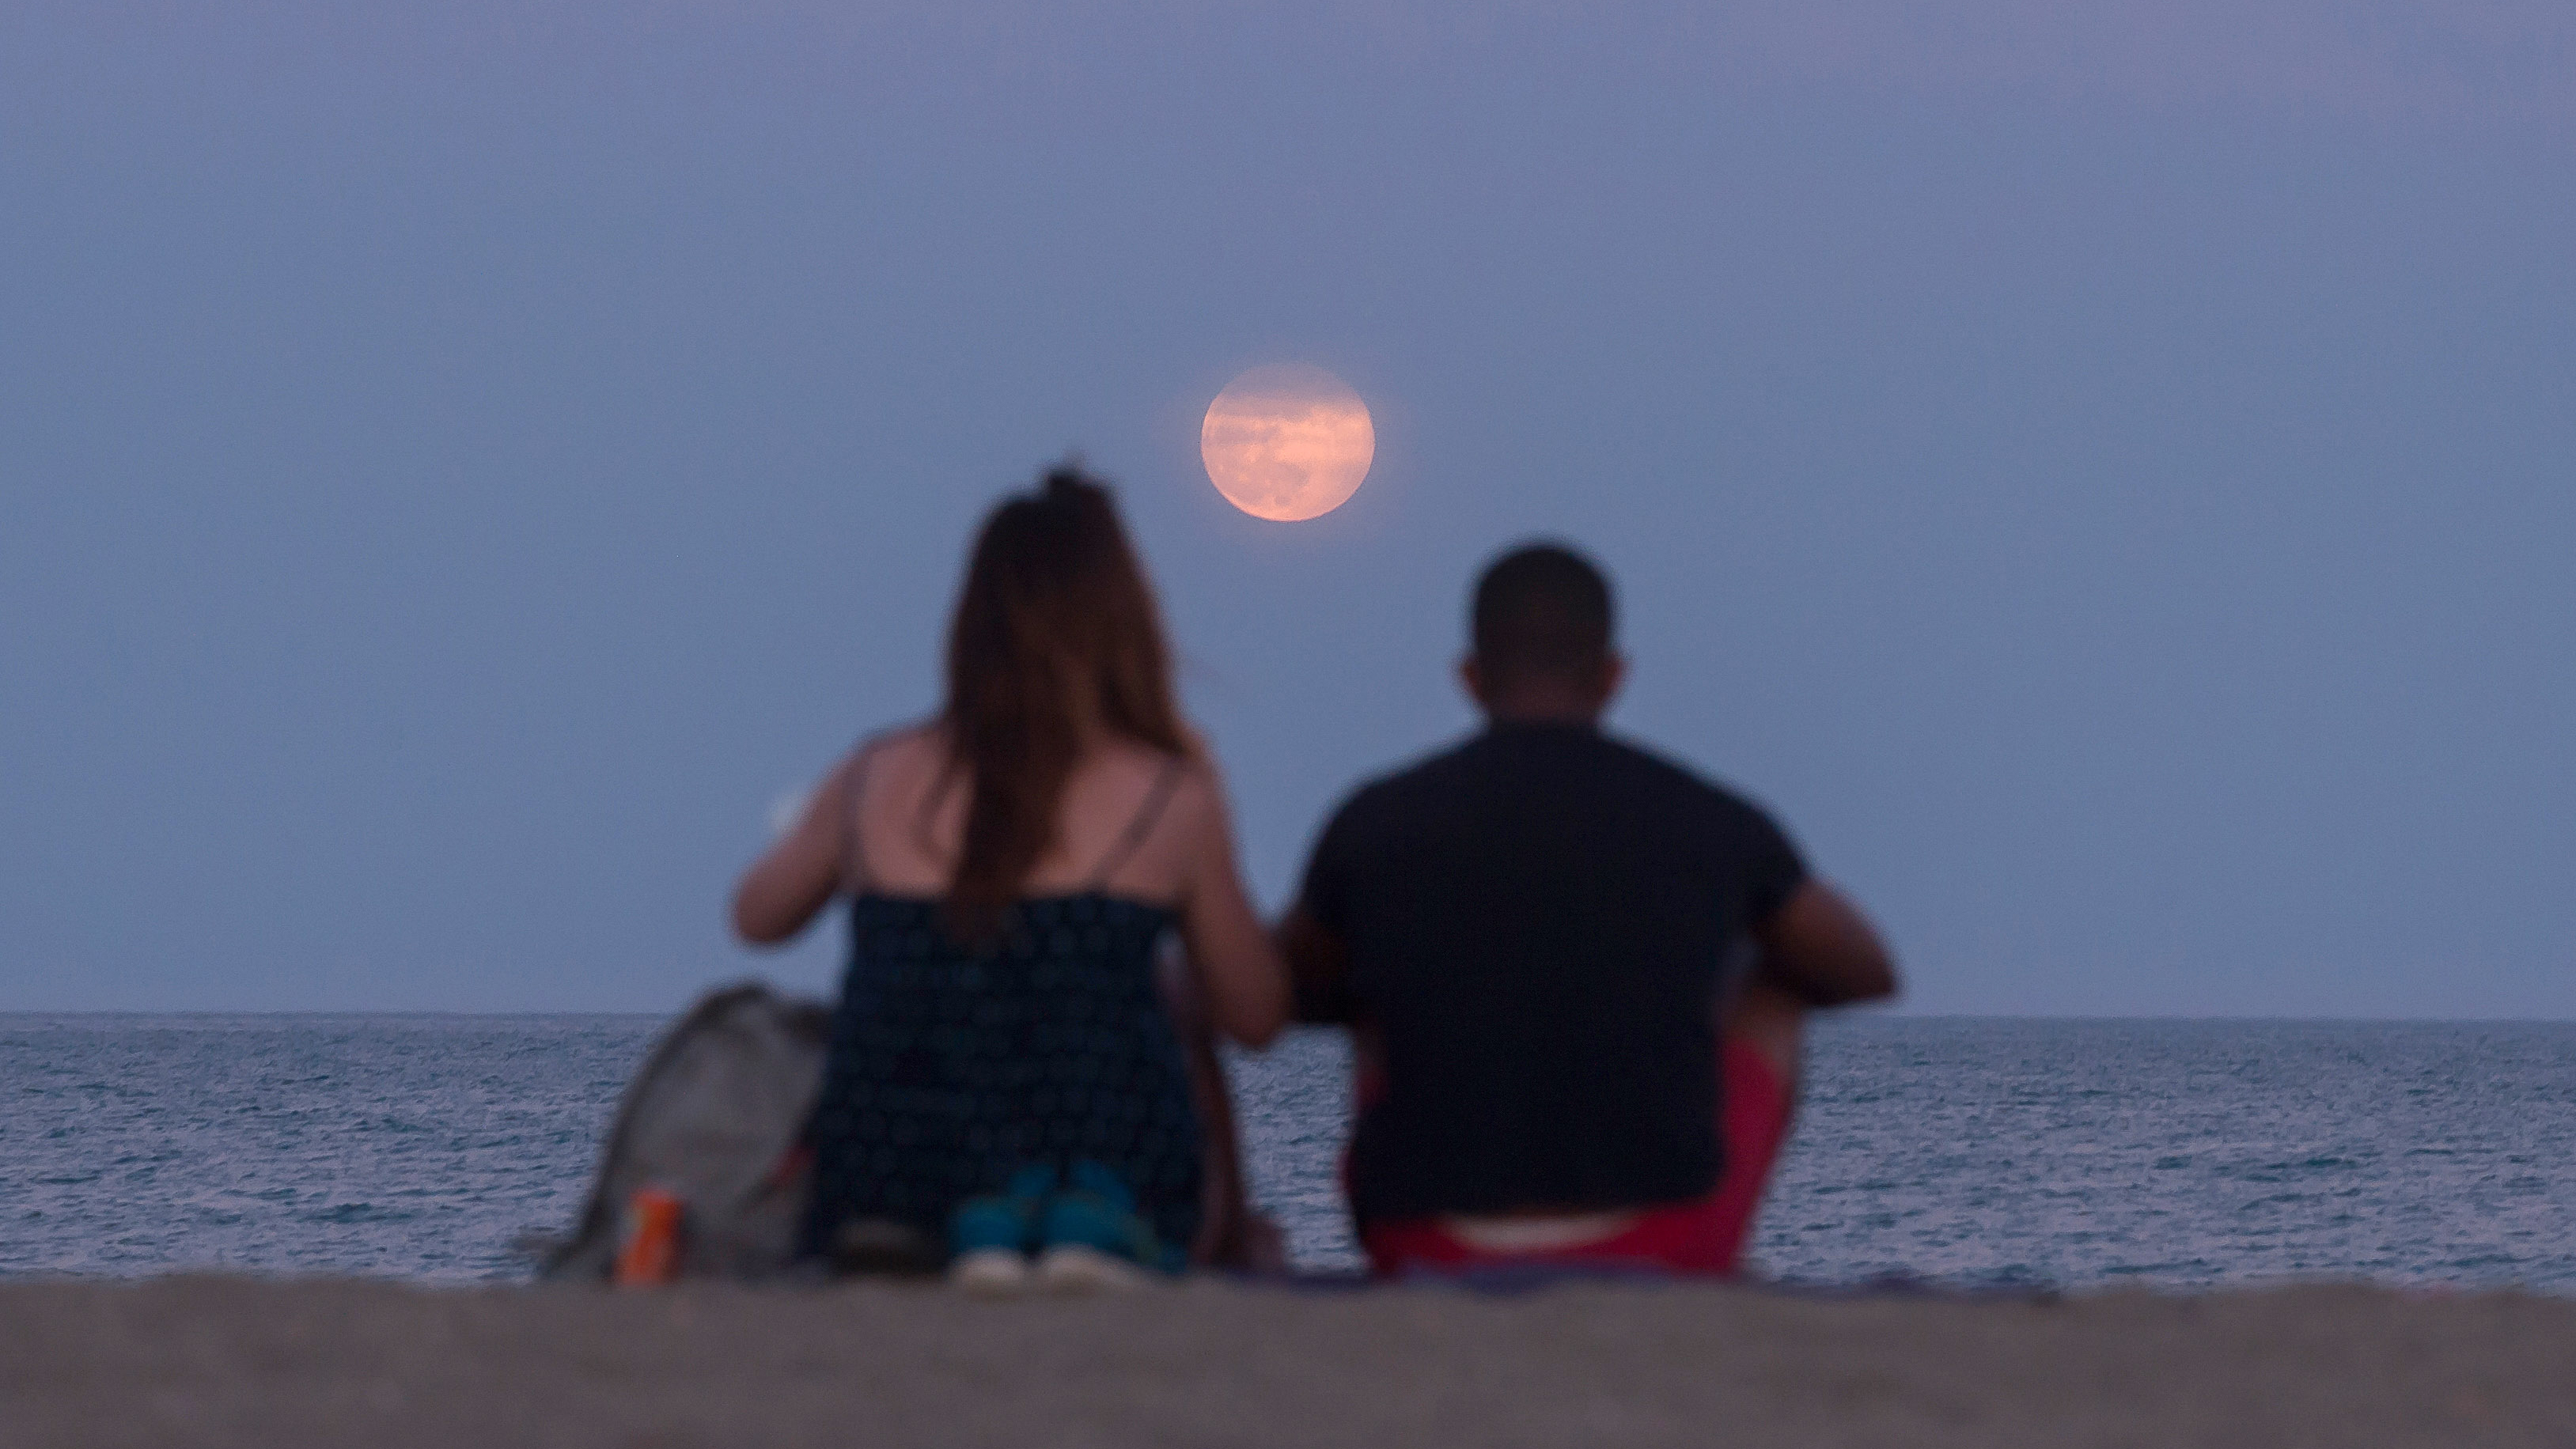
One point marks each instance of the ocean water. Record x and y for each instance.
(1974, 1152)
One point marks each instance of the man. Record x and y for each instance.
(1575, 972)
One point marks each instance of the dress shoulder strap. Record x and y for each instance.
(1147, 816)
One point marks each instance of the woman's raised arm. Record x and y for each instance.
(797, 877)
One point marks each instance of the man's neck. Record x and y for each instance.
(1544, 711)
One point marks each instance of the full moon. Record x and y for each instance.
(1287, 442)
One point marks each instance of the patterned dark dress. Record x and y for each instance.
(950, 1068)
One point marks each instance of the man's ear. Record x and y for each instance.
(1614, 673)
(1471, 676)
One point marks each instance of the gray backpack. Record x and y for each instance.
(714, 1116)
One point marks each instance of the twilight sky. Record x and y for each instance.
(2105, 474)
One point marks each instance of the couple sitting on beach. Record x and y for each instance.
(1574, 973)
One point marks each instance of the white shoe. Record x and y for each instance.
(990, 1272)
(1073, 1268)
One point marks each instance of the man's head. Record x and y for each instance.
(1542, 628)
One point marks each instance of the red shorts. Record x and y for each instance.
(1705, 1235)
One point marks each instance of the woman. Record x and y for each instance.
(1005, 1075)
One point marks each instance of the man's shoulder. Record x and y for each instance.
(1390, 790)
(1684, 782)
(1474, 767)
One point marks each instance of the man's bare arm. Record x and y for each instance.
(1819, 948)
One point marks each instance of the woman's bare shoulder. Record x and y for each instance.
(1129, 758)
(1119, 776)
(888, 764)
(1197, 805)
(905, 747)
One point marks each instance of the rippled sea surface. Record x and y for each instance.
(2074, 1153)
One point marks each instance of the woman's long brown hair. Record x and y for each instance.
(1056, 629)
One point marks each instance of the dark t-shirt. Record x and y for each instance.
(1537, 924)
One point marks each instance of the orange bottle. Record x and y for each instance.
(650, 1252)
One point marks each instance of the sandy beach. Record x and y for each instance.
(221, 1361)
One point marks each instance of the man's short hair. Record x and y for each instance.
(1542, 611)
